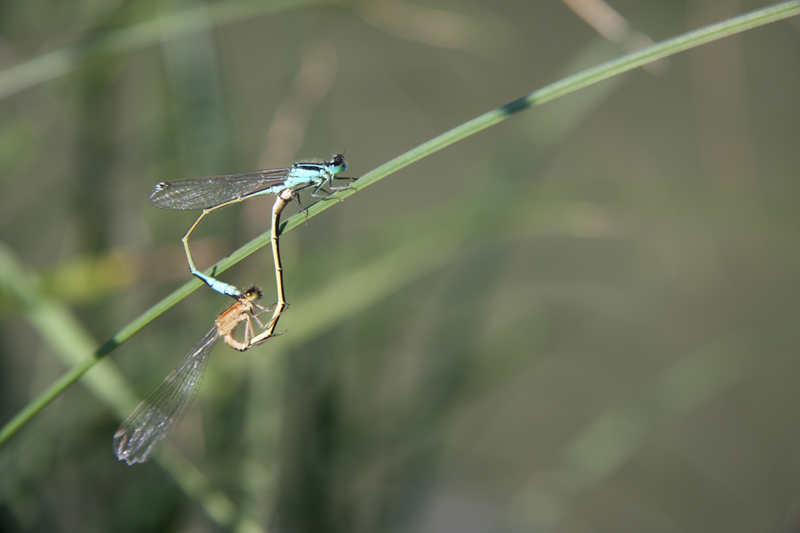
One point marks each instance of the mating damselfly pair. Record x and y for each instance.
(156, 417)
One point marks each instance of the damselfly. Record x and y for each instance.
(215, 192)
(154, 420)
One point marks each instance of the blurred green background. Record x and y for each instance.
(582, 319)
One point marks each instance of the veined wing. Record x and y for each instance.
(203, 193)
(154, 420)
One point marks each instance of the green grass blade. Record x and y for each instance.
(65, 335)
(578, 81)
(546, 94)
(57, 63)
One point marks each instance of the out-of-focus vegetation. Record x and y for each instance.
(582, 319)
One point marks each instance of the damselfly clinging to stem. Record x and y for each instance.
(155, 418)
(215, 192)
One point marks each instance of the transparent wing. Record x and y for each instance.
(203, 193)
(154, 420)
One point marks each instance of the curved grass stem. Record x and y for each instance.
(33, 298)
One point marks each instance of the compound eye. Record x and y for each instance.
(253, 294)
(338, 161)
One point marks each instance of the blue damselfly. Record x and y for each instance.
(215, 192)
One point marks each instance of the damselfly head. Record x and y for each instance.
(253, 294)
(339, 162)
